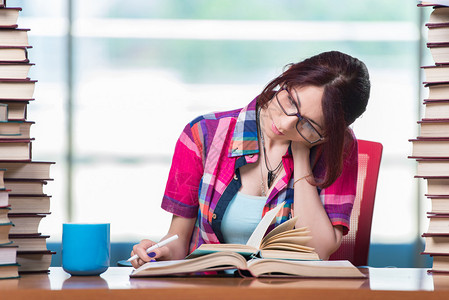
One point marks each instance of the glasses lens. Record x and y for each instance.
(307, 131)
(287, 102)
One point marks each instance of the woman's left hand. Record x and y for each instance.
(301, 149)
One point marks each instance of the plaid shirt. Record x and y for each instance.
(205, 176)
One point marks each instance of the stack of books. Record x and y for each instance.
(23, 177)
(431, 147)
(8, 252)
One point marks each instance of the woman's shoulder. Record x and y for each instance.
(246, 112)
(215, 117)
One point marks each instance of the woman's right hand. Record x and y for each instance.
(177, 249)
(144, 257)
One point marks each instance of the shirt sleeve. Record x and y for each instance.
(338, 198)
(181, 192)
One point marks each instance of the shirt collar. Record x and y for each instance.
(244, 138)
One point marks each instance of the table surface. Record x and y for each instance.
(115, 283)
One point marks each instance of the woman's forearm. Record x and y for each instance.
(310, 211)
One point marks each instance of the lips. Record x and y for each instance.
(275, 129)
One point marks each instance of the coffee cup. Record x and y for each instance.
(86, 248)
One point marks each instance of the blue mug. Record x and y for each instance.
(86, 248)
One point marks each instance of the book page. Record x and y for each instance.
(256, 237)
(315, 268)
(300, 232)
(214, 261)
(289, 247)
(287, 225)
(295, 240)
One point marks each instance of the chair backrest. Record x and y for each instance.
(355, 245)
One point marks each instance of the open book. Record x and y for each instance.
(256, 267)
(283, 242)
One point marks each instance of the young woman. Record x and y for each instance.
(292, 143)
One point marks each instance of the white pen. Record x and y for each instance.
(160, 244)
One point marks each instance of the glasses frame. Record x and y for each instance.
(299, 116)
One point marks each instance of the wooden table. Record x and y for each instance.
(382, 283)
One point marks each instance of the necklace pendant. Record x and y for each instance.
(270, 178)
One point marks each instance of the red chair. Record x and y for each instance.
(355, 245)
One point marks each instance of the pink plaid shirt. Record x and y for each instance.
(204, 174)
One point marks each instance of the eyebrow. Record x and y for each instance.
(299, 104)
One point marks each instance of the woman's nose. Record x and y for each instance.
(289, 122)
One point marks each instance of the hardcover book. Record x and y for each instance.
(5, 228)
(256, 267)
(26, 223)
(431, 147)
(432, 168)
(9, 16)
(438, 223)
(16, 88)
(437, 186)
(436, 109)
(9, 271)
(30, 242)
(14, 37)
(15, 149)
(25, 186)
(14, 53)
(16, 109)
(8, 254)
(13, 70)
(26, 170)
(24, 204)
(439, 52)
(34, 261)
(436, 243)
(438, 91)
(439, 204)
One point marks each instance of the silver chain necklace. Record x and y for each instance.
(272, 174)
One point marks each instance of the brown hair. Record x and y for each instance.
(346, 91)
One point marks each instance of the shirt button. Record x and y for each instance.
(214, 216)
(236, 177)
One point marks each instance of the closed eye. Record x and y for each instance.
(292, 101)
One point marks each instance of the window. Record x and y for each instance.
(143, 69)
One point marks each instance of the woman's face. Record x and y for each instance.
(276, 124)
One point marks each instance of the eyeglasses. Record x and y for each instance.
(303, 126)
